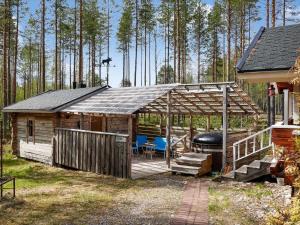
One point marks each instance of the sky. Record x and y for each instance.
(116, 65)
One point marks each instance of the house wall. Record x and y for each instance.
(72, 121)
(283, 137)
(38, 147)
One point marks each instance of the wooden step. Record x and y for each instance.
(196, 155)
(192, 170)
(184, 160)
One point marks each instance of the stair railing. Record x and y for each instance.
(251, 145)
(182, 140)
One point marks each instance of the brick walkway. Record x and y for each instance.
(194, 206)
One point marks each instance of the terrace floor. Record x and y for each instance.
(143, 167)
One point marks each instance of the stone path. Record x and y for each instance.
(194, 206)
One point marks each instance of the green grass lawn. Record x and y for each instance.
(48, 195)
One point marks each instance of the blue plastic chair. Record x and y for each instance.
(140, 141)
(160, 145)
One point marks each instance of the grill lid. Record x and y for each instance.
(209, 139)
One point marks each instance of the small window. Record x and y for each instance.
(30, 128)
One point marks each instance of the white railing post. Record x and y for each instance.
(234, 157)
(261, 147)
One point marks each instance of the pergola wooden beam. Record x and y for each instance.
(193, 103)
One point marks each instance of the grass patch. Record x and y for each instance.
(48, 195)
(258, 191)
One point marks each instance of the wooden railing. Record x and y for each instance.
(251, 145)
(183, 141)
(98, 152)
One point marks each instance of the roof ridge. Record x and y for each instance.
(242, 60)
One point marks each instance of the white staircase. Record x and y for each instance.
(245, 150)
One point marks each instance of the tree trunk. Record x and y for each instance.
(80, 75)
(74, 45)
(43, 56)
(14, 85)
(9, 54)
(268, 13)
(228, 58)
(283, 12)
(4, 79)
(178, 42)
(155, 55)
(136, 40)
(273, 13)
(56, 46)
(145, 57)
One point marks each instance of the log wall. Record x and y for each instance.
(38, 147)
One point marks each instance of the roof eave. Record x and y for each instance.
(242, 60)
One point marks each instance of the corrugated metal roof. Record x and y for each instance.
(274, 49)
(52, 101)
(198, 99)
(120, 100)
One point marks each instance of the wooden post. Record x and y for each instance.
(286, 107)
(14, 134)
(191, 132)
(129, 150)
(168, 128)
(208, 123)
(104, 128)
(161, 124)
(81, 121)
(224, 126)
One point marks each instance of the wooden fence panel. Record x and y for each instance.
(98, 152)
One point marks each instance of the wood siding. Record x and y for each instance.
(98, 152)
(39, 147)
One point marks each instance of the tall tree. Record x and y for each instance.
(80, 73)
(199, 34)
(124, 35)
(228, 37)
(136, 39)
(146, 24)
(273, 13)
(43, 49)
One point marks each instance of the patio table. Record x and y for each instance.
(149, 149)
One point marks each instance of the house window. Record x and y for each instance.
(30, 128)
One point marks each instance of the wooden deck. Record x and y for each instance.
(147, 167)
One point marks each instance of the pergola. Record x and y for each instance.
(186, 99)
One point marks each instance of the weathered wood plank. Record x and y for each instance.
(97, 152)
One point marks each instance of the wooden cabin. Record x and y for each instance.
(92, 129)
(34, 121)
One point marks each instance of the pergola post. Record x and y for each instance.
(286, 107)
(224, 125)
(191, 132)
(168, 129)
(208, 123)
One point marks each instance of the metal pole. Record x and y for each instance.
(224, 87)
